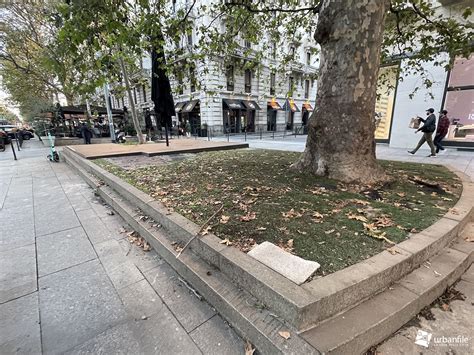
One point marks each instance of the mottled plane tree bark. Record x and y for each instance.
(340, 140)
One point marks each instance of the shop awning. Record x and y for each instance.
(82, 109)
(274, 105)
(233, 104)
(189, 106)
(292, 106)
(251, 105)
(307, 106)
(179, 106)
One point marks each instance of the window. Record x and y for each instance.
(292, 51)
(247, 44)
(193, 78)
(306, 89)
(118, 102)
(135, 95)
(180, 85)
(291, 84)
(274, 50)
(230, 78)
(308, 58)
(144, 93)
(190, 39)
(272, 83)
(248, 81)
(459, 100)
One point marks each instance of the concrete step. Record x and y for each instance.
(357, 329)
(244, 312)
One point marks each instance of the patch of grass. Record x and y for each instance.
(314, 217)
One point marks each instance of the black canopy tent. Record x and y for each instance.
(161, 91)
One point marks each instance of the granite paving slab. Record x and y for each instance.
(143, 260)
(63, 249)
(187, 308)
(117, 340)
(93, 225)
(17, 272)
(54, 217)
(19, 326)
(162, 334)
(77, 304)
(141, 300)
(224, 340)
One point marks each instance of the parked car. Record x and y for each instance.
(9, 130)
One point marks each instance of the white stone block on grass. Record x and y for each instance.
(291, 266)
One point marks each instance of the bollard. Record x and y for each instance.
(13, 150)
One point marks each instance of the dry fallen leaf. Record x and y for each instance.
(356, 217)
(261, 229)
(249, 349)
(224, 219)
(401, 194)
(301, 232)
(318, 215)
(291, 214)
(248, 217)
(206, 230)
(285, 334)
(330, 231)
(226, 241)
(445, 307)
(393, 251)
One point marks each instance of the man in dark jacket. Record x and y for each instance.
(442, 130)
(86, 133)
(429, 126)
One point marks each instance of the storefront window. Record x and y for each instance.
(306, 89)
(459, 100)
(385, 100)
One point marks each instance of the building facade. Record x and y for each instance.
(233, 100)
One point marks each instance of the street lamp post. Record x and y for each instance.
(109, 112)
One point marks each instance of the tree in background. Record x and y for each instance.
(32, 63)
(7, 116)
(106, 37)
(354, 38)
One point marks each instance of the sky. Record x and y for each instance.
(4, 101)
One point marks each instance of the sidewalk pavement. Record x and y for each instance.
(461, 160)
(70, 282)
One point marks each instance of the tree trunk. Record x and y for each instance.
(136, 123)
(341, 143)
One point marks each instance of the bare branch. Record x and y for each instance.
(254, 9)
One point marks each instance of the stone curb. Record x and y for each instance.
(375, 319)
(234, 304)
(307, 305)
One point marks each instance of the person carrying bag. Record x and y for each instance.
(429, 126)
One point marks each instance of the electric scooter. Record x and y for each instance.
(53, 156)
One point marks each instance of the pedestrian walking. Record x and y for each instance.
(188, 129)
(86, 133)
(429, 126)
(442, 130)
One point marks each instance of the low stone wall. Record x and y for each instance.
(308, 304)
